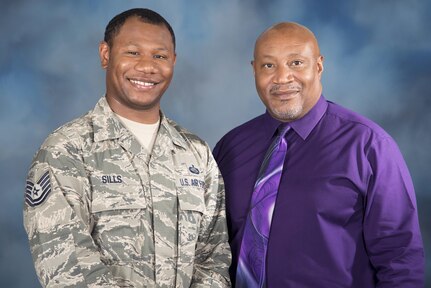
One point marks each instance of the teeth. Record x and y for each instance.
(141, 83)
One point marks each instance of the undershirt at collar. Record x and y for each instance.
(144, 133)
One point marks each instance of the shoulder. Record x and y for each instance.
(186, 135)
(355, 130)
(343, 118)
(244, 132)
(192, 144)
(59, 155)
(70, 136)
(247, 128)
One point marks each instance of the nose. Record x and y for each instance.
(146, 65)
(284, 74)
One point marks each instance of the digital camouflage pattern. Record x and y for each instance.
(114, 215)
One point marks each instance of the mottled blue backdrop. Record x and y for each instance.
(377, 62)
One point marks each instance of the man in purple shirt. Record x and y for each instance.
(345, 213)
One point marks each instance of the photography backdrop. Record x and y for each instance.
(377, 62)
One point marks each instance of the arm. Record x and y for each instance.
(58, 221)
(213, 255)
(391, 228)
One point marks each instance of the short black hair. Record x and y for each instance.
(145, 15)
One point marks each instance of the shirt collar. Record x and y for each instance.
(302, 126)
(107, 126)
(174, 131)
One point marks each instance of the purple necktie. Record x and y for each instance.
(251, 263)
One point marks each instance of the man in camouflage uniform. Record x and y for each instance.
(103, 211)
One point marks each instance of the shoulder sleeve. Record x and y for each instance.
(391, 228)
(217, 150)
(57, 218)
(213, 256)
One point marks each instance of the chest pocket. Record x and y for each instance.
(117, 192)
(120, 215)
(191, 209)
(191, 205)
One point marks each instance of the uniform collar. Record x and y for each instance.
(174, 131)
(107, 126)
(302, 126)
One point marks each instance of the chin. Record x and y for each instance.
(289, 114)
(145, 102)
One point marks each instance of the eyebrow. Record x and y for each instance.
(161, 49)
(138, 45)
(268, 56)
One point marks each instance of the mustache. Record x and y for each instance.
(277, 88)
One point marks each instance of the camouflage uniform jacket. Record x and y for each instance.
(101, 212)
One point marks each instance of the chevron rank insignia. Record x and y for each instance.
(36, 193)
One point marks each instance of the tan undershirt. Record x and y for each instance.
(145, 133)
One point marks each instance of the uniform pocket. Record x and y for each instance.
(191, 205)
(191, 209)
(116, 192)
(122, 224)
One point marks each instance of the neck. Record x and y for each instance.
(149, 115)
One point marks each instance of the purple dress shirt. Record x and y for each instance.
(345, 214)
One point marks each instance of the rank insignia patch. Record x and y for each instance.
(36, 193)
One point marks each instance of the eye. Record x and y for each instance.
(133, 53)
(296, 63)
(268, 65)
(159, 56)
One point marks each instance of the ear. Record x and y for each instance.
(253, 64)
(175, 58)
(104, 54)
(320, 65)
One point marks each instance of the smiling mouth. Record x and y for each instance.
(285, 94)
(285, 91)
(143, 84)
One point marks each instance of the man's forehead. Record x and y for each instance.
(293, 37)
(283, 52)
(291, 28)
(285, 46)
(288, 38)
(139, 33)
